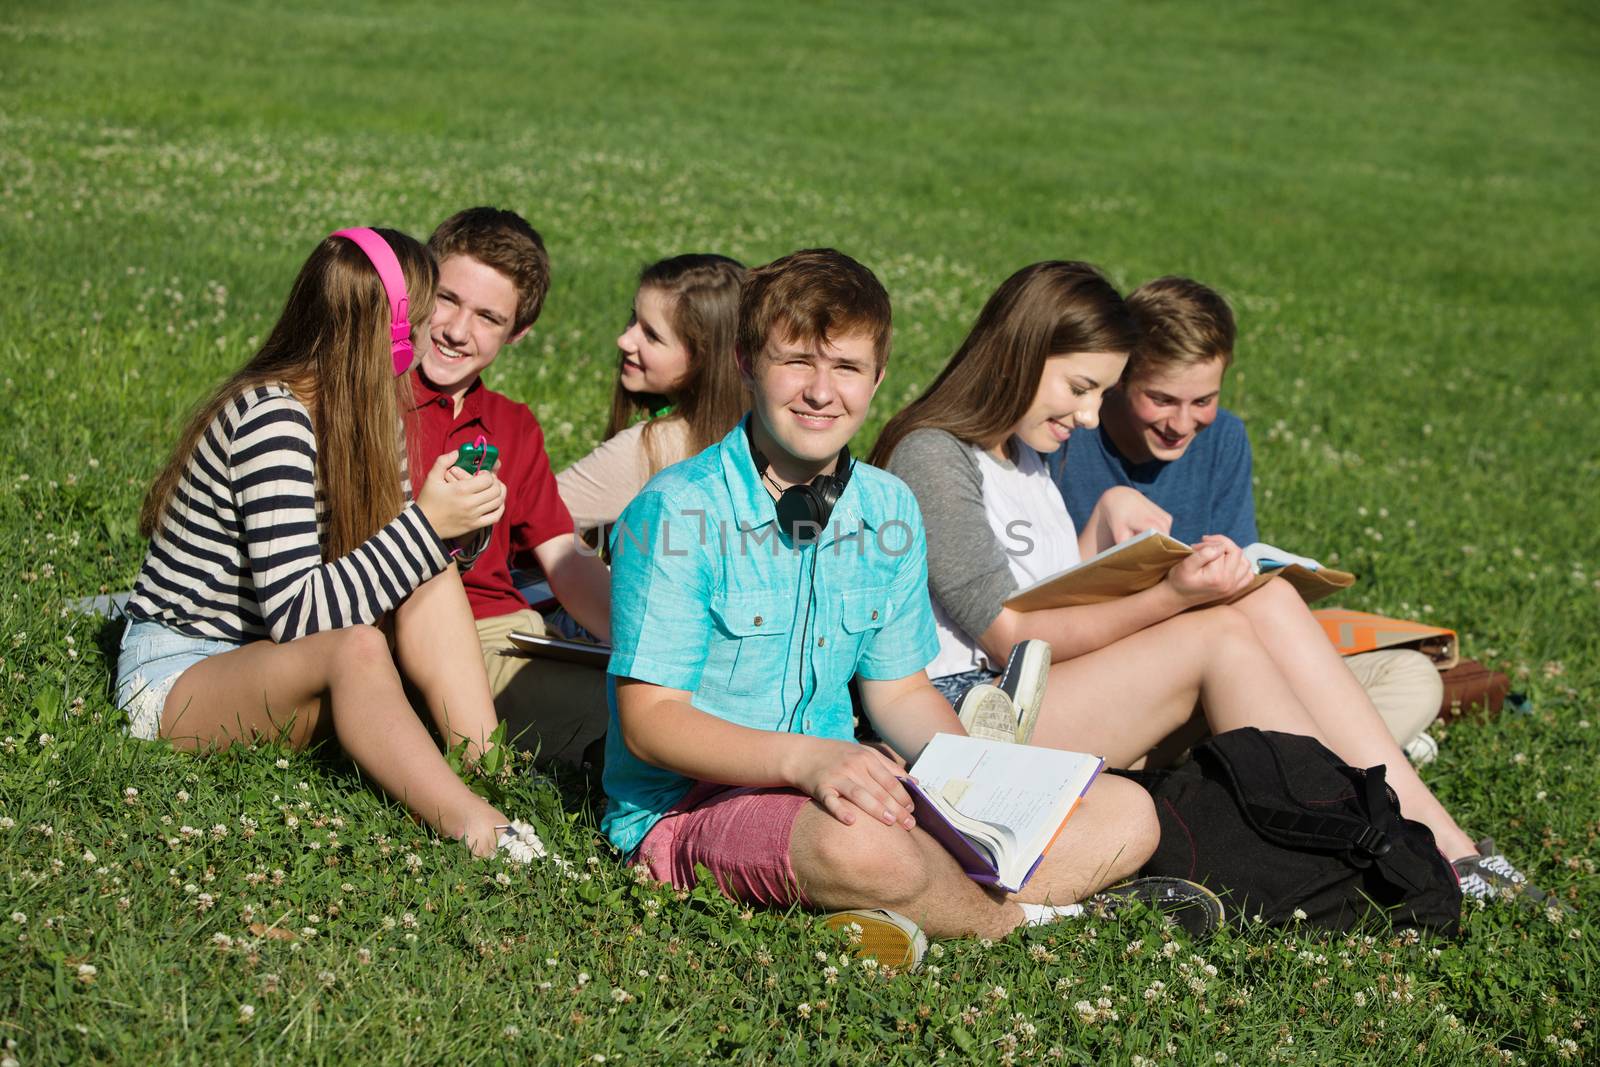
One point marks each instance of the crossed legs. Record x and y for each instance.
(869, 865)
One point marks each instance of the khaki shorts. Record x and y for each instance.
(1403, 685)
(554, 709)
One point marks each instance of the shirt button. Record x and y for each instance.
(443, 401)
(874, 615)
(821, 641)
(757, 620)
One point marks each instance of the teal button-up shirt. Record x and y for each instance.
(708, 597)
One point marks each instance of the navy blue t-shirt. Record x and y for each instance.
(1206, 490)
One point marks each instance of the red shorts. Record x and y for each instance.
(740, 834)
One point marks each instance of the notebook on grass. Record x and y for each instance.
(997, 807)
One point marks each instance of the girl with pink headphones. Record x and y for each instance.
(293, 577)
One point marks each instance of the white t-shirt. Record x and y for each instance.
(1029, 519)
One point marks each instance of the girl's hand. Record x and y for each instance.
(456, 502)
(847, 779)
(1218, 569)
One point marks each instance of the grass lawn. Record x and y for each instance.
(1399, 199)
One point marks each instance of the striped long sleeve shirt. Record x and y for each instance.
(238, 553)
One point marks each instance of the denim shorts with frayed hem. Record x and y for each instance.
(954, 686)
(152, 658)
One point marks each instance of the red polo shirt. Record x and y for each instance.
(534, 511)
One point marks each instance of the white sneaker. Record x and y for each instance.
(519, 843)
(1422, 749)
(988, 713)
(1027, 673)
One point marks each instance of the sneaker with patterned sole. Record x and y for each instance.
(1027, 672)
(894, 940)
(1490, 876)
(988, 713)
(1184, 903)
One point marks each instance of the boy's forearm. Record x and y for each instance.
(674, 735)
(582, 584)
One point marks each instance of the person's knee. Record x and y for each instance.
(880, 863)
(1126, 819)
(360, 648)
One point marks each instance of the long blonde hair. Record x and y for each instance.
(704, 314)
(331, 348)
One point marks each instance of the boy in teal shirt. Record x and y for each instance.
(750, 584)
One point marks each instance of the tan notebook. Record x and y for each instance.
(1143, 561)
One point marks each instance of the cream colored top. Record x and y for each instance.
(598, 486)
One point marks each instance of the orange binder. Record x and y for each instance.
(1358, 631)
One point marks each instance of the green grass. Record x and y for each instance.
(1398, 198)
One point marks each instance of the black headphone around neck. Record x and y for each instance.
(804, 510)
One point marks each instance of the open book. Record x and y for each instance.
(997, 807)
(582, 653)
(1143, 561)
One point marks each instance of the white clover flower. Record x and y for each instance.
(19, 918)
(803, 1010)
(87, 972)
(183, 796)
(247, 1013)
(281, 763)
(1300, 915)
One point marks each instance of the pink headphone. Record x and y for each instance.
(394, 287)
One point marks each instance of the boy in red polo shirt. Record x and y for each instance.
(493, 277)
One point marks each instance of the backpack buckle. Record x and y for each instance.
(1374, 842)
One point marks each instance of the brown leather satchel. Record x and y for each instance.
(1472, 688)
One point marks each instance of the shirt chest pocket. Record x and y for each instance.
(862, 613)
(751, 643)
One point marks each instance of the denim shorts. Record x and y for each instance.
(954, 686)
(152, 658)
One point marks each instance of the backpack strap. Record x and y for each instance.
(1250, 750)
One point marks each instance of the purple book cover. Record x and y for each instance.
(972, 860)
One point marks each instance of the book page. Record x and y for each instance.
(1024, 789)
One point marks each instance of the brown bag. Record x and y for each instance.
(1469, 686)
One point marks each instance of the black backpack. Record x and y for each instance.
(1275, 823)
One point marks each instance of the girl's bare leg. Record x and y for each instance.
(343, 681)
(1346, 720)
(436, 645)
(1121, 700)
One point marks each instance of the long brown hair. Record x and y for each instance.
(703, 312)
(1053, 308)
(331, 348)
